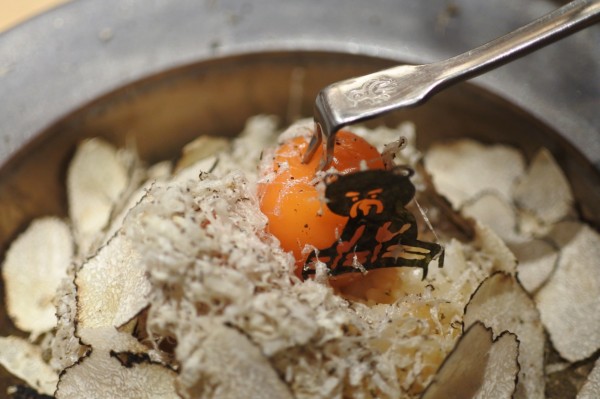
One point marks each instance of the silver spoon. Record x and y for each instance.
(365, 97)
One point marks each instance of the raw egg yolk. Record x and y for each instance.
(297, 213)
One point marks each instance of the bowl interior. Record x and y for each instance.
(163, 112)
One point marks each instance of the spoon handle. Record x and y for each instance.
(547, 29)
(369, 96)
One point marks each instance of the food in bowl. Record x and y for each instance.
(166, 280)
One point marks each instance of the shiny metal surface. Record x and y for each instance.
(365, 97)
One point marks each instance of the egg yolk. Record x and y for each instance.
(297, 212)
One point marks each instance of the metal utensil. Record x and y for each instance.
(354, 100)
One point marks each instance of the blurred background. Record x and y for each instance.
(13, 12)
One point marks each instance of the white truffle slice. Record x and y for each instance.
(112, 287)
(496, 213)
(544, 190)
(570, 300)
(591, 388)
(466, 266)
(478, 367)
(502, 304)
(96, 179)
(116, 368)
(537, 259)
(34, 267)
(193, 171)
(464, 168)
(159, 171)
(24, 360)
(199, 149)
(65, 346)
(108, 338)
(493, 250)
(228, 365)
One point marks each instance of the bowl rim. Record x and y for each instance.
(98, 47)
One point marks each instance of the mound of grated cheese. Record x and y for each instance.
(212, 267)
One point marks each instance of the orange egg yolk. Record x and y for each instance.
(297, 213)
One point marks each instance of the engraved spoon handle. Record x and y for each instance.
(353, 100)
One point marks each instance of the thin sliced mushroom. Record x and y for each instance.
(96, 179)
(478, 367)
(537, 259)
(591, 388)
(214, 370)
(24, 360)
(544, 190)
(569, 301)
(495, 212)
(201, 148)
(463, 169)
(503, 305)
(65, 346)
(35, 264)
(494, 250)
(112, 287)
(106, 373)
